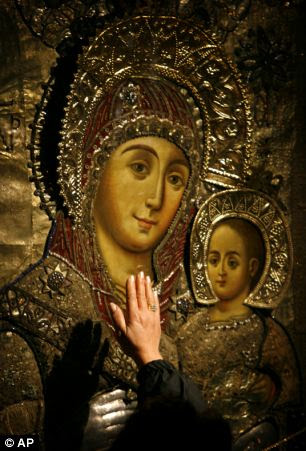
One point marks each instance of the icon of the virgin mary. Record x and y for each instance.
(151, 113)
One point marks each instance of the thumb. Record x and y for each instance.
(118, 317)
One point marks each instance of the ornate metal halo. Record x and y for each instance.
(165, 47)
(263, 212)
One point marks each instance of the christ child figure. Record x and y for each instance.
(241, 357)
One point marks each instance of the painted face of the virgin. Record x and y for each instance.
(230, 269)
(140, 191)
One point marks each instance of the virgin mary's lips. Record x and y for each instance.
(145, 223)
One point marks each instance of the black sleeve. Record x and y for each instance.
(160, 378)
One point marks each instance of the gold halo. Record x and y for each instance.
(262, 211)
(166, 47)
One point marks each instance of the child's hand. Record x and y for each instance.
(140, 323)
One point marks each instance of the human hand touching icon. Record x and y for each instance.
(139, 326)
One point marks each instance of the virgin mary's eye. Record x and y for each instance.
(176, 180)
(140, 169)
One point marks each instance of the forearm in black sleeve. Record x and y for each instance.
(160, 378)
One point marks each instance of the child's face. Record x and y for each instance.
(229, 267)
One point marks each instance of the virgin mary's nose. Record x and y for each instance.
(155, 198)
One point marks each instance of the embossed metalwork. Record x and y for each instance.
(262, 211)
(275, 124)
(34, 315)
(55, 280)
(182, 305)
(222, 17)
(121, 365)
(265, 60)
(226, 358)
(53, 24)
(10, 126)
(162, 47)
(107, 414)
